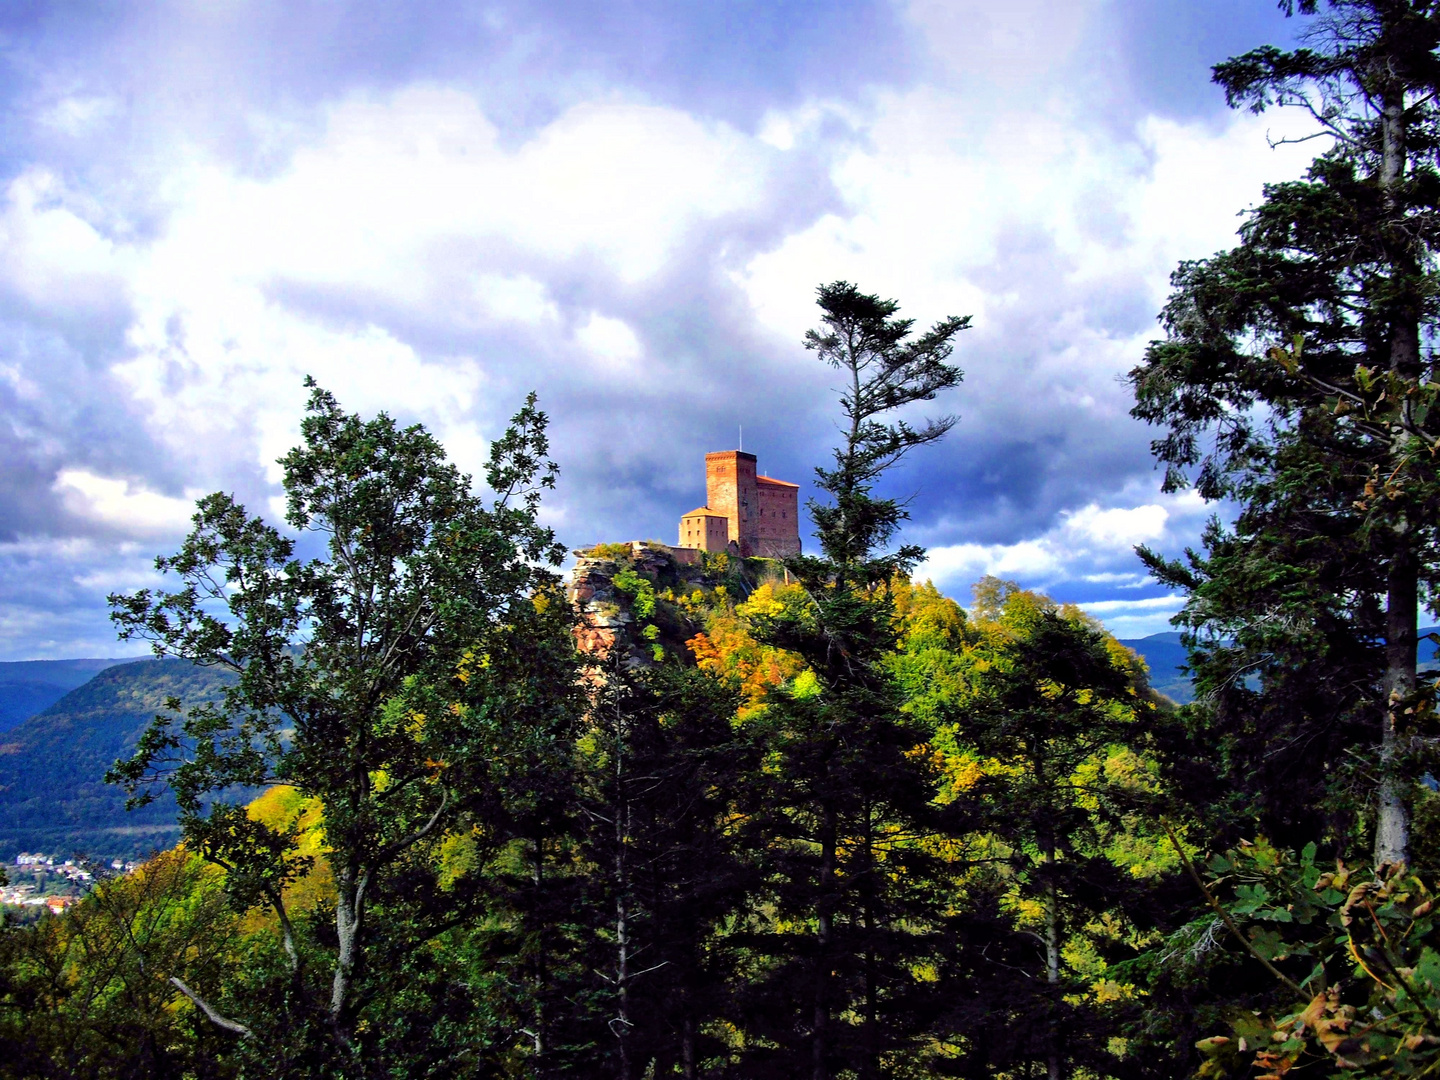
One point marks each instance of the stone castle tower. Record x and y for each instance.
(756, 514)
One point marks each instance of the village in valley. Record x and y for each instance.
(53, 882)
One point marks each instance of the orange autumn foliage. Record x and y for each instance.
(726, 649)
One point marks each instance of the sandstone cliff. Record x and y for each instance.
(644, 600)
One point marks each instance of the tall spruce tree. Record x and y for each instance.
(1327, 302)
(842, 795)
(669, 863)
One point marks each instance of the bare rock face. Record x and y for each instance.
(607, 614)
(609, 617)
(592, 592)
(604, 618)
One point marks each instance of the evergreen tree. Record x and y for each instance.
(671, 863)
(1054, 716)
(843, 798)
(1325, 302)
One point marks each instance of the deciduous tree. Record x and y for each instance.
(349, 665)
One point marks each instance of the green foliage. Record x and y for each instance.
(368, 678)
(842, 791)
(1291, 380)
(1356, 952)
(622, 553)
(641, 589)
(1043, 740)
(90, 994)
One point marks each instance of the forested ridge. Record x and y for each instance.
(30, 686)
(814, 818)
(53, 795)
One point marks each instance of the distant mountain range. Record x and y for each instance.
(29, 686)
(1166, 658)
(53, 797)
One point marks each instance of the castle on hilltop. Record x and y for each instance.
(748, 514)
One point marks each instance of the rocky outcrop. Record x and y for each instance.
(605, 615)
(643, 618)
(593, 594)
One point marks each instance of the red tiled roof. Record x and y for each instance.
(703, 510)
(772, 480)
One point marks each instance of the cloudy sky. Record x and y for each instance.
(625, 205)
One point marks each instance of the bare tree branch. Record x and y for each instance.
(209, 1010)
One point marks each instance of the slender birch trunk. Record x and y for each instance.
(622, 913)
(870, 1067)
(1392, 826)
(1055, 1057)
(541, 974)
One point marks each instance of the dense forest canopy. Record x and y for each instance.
(813, 818)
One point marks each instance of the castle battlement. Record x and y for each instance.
(752, 515)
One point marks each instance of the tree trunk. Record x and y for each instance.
(687, 1045)
(870, 1067)
(1392, 825)
(537, 877)
(819, 1047)
(622, 956)
(350, 884)
(1055, 1059)
(622, 889)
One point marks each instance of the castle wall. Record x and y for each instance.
(777, 526)
(760, 515)
(730, 490)
(704, 531)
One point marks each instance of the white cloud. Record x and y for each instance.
(611, 341)
(955, 565)
(1137, 622)
(122, 505)
(409, 203)
(416, 258)
(1169, 604)
(78, 114)
(1118, 527)
(1086, 544)
(1090, 545)
(1006, 43)
(50, 253)
(515, 298)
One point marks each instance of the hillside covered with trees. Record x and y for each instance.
(813, 818)
(53, 795)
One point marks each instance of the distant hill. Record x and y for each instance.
(28, 686)
(52, 794)
(1166, 657)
